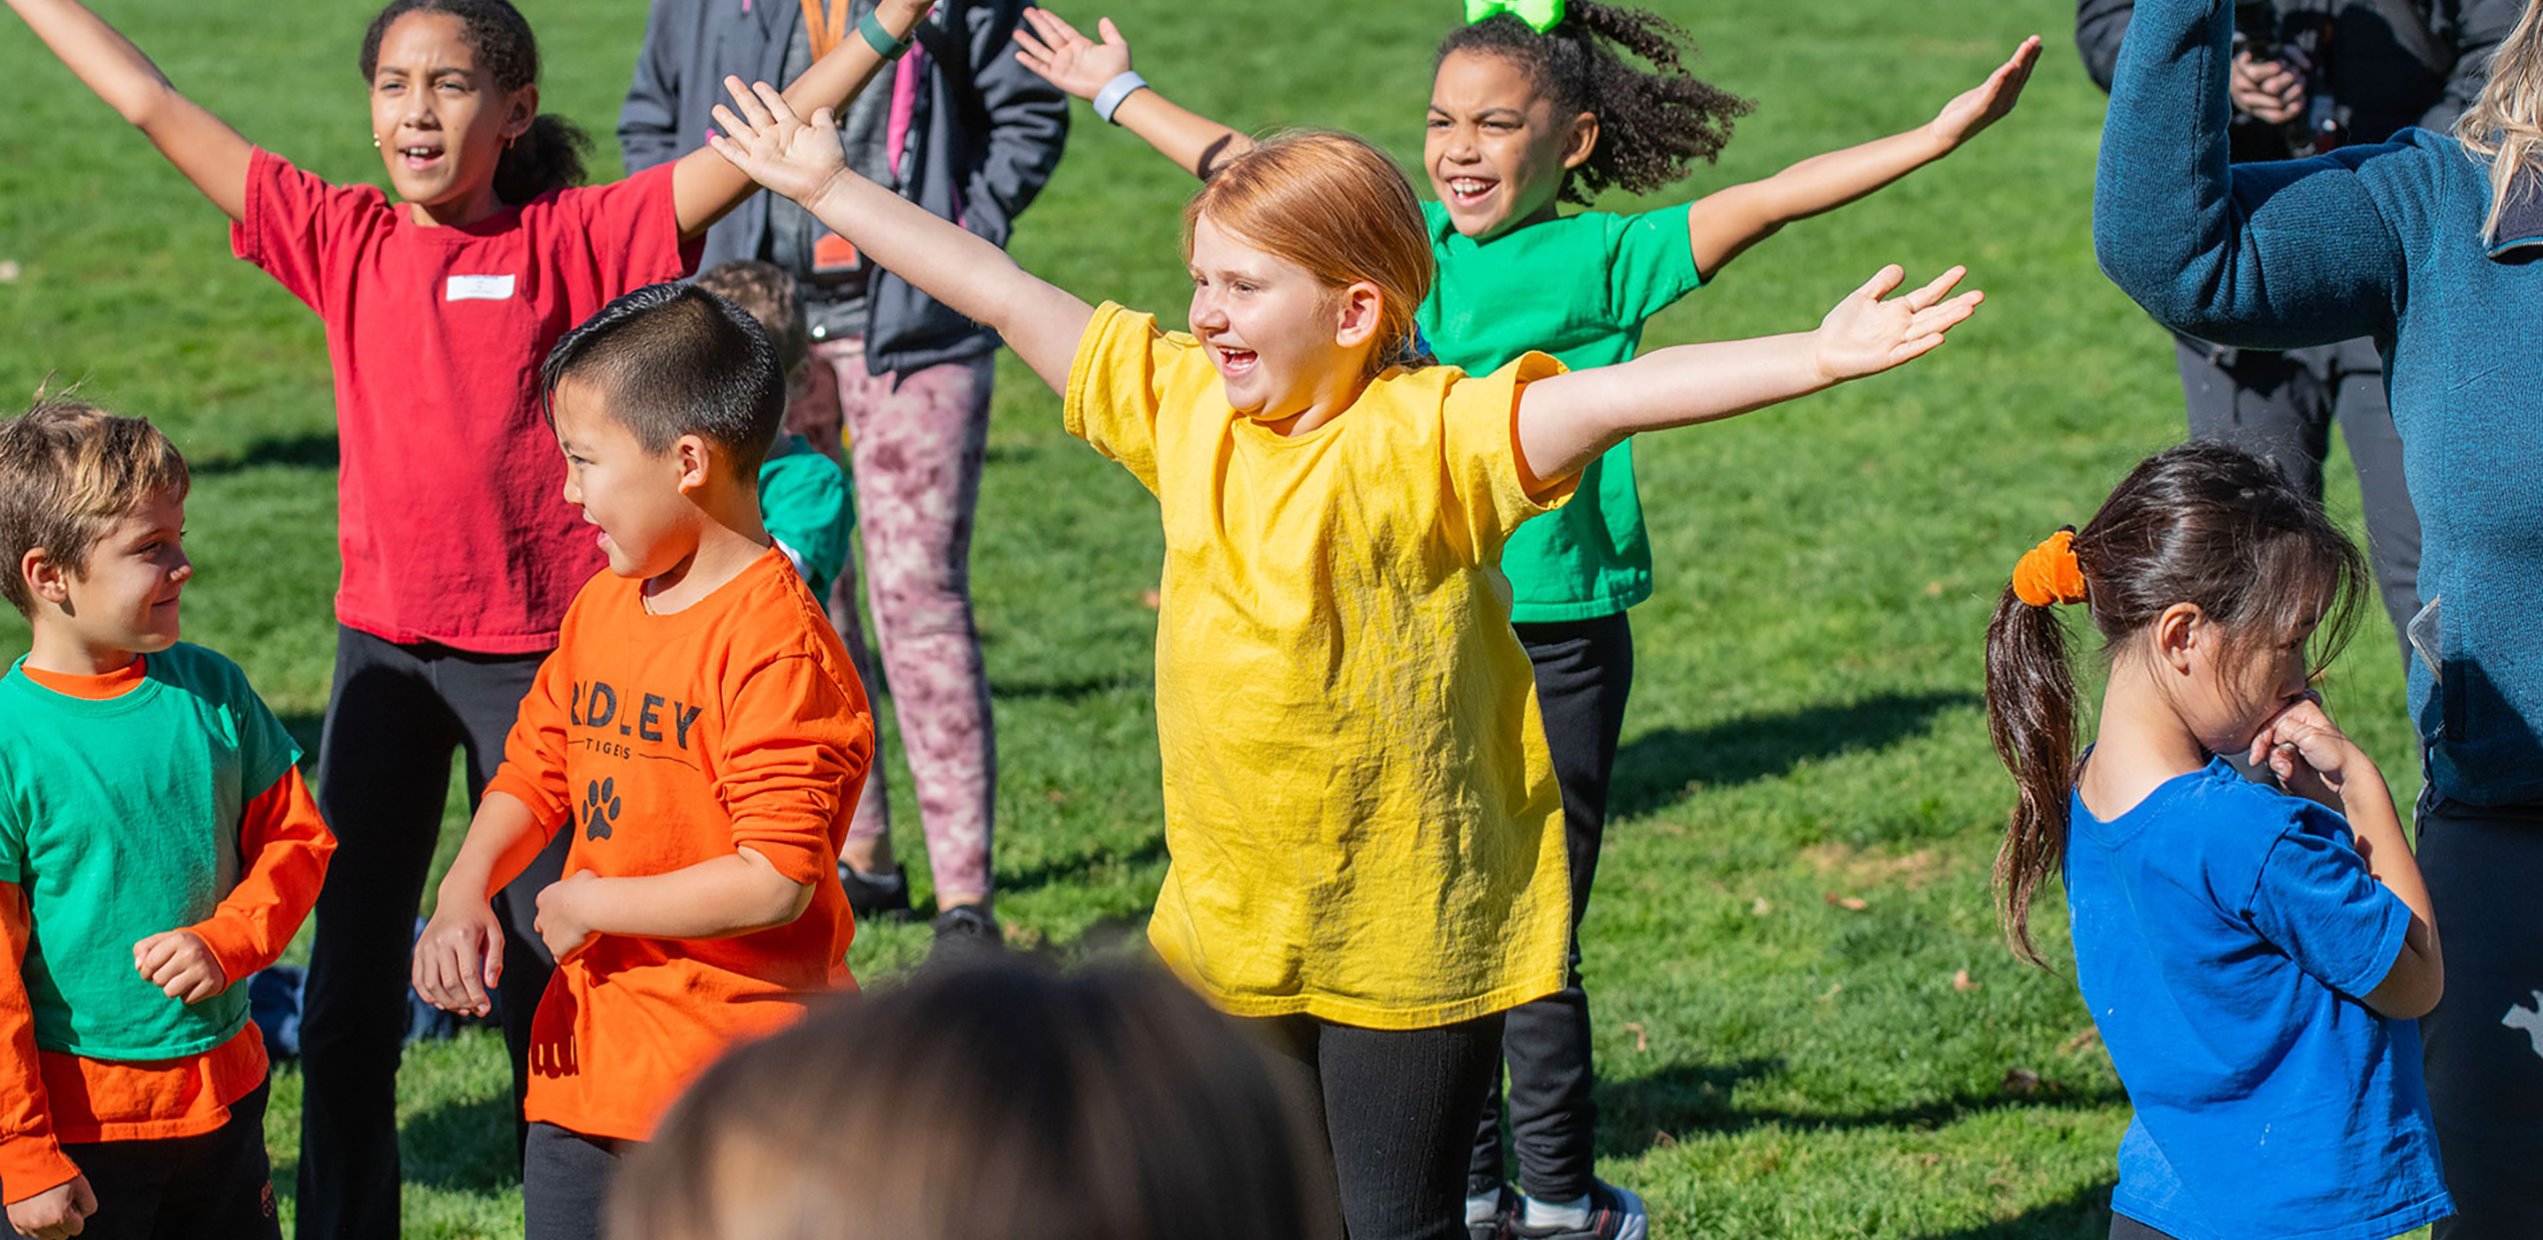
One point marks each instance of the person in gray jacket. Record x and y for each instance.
(899, 383)
(2308, 76)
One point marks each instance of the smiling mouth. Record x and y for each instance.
(418, 157)
(1469, 191)
(1234, 362)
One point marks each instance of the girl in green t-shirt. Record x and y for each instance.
(1532, 106)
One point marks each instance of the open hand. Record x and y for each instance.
(181, 964)
(1865, 335)
(561, 924)
(1989, 101)
(2308, 754)
(459, 957)
(1070, 60)
(793, 156)
(55, 1213)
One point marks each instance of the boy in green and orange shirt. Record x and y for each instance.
(157, 846)
(698, 730)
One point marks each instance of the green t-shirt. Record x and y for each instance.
(805, 501)
(120, 819)
(1578, 287)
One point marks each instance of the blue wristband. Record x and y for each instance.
(1108, 100)
(879, 39)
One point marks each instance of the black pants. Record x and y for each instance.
(394, 717)
(2281, 406)
(1583, 671)
(2123, 1227)
(1396, 1108)
(565, 1180)
(217, 1186)
(2484, 1042)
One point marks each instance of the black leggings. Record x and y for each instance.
(217, 1186)
(1583, 671)
(565, 1178)
(1396, 1107)
(394, 717)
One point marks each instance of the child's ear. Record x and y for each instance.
(46, 578)
(2181, 633)
(695, 458)
(1358, 311)
(523, 110)
(1580, 140)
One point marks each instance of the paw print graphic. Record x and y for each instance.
(600, 809)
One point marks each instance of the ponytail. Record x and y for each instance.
(2032, 716)
(546, 158)
(1653, 125)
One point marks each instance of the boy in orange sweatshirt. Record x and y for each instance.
(698, 730)
(157, 845)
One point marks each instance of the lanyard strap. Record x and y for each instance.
(825, 24)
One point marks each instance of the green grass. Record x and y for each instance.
(1806, 727)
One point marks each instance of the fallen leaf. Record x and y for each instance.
(1833, 988)
(2020, 1081)
(1662, 1136)
(1761, 908)
(1933, 589)
(9, 272)
(2090, 1037)
(1642, 1039)
(1960, 982)
(1851, 904)
(1058, 797)
(1151, 600)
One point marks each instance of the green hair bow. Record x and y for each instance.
(1540, 15)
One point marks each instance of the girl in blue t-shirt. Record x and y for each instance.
(1534, 105)
(2254, 958)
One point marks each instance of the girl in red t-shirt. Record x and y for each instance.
(459, 556)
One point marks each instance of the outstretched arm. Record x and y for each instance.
(704, 186)
(800, 159)
(1726, 222)
(1570, 420)
(1083, 67)
(207, 151)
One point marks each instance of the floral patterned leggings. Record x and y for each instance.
(916, 443)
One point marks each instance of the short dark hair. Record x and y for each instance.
(672, 360)
(766, 293)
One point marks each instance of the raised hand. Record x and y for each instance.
(181, 965)
(1990, 101)
(1866, 335)
(1068, 59)
(765, 139)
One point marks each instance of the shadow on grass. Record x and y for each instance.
(1685, 1100)
(1069, 692)
(1658, 769)
(463, 1144)
(2085, 1215)
(307, 450)
(1082, 868)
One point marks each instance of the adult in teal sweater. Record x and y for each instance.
(2433, 246)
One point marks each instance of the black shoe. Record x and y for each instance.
(882, 897)
(965, 936)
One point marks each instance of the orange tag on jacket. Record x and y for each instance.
(832, 254)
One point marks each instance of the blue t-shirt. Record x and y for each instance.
(2224, 933)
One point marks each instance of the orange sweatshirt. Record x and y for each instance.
(48, 1098)
(662, 742)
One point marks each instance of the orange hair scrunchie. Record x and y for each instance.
(2048, 574)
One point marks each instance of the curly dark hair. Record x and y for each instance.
(1652, 124)
(548, 157)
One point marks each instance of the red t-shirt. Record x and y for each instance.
(450, 518)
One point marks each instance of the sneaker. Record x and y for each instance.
(1502, 1219)
(878, 897)
(965, 935)
(1614, 1214)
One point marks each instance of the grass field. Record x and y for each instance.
(1808, 805)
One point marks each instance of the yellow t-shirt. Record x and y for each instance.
(1361, 815)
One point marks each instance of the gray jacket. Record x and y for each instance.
(2394, 63)
(984, 134)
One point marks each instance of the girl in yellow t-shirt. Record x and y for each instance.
(1364, 830)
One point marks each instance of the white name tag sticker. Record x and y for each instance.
(478, 288)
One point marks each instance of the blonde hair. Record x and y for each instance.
(68, 469)
(2505, 124)
(1336, 206)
